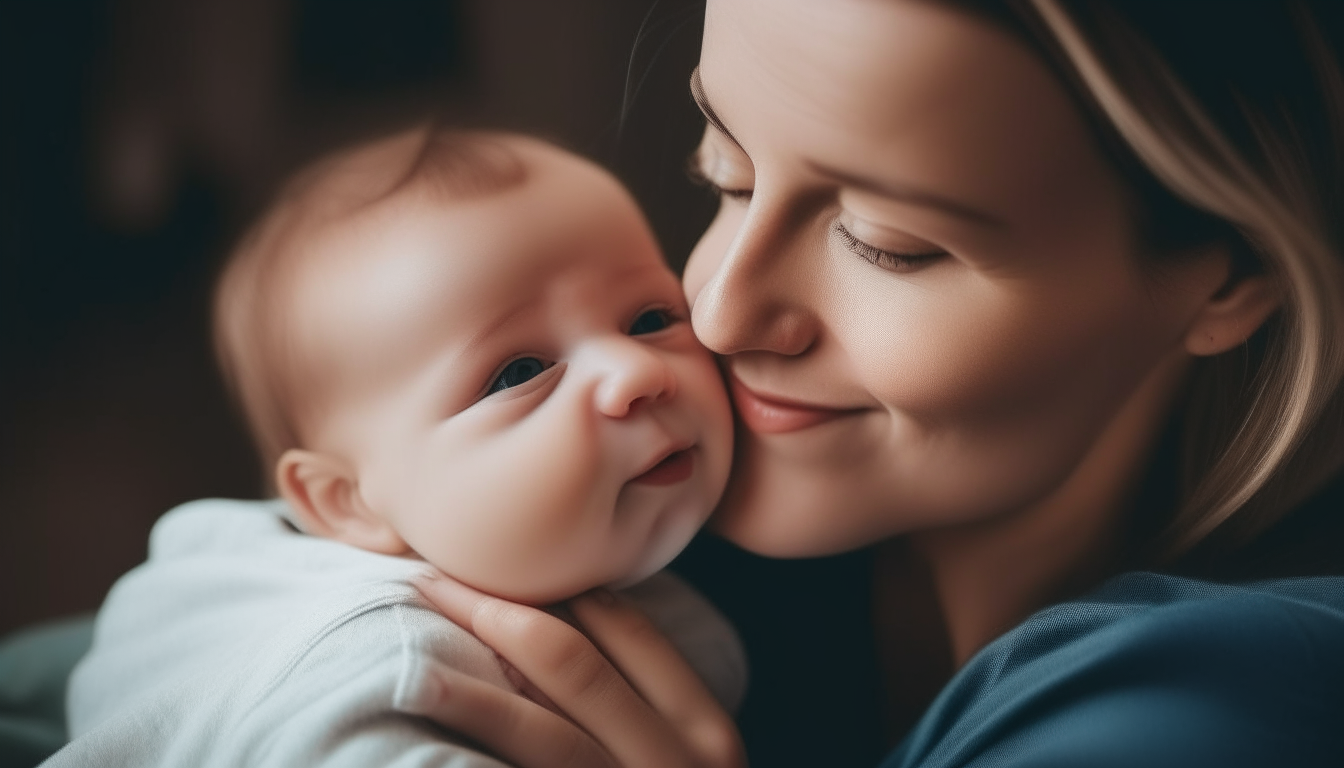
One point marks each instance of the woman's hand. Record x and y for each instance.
(638, 706)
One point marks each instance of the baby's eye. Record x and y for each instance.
(650, 322)
(517, 372)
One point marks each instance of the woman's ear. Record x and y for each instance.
(324, 493)
(1232, 314)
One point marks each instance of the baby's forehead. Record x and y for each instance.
(420, 258)
(563, 212)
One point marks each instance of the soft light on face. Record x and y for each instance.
(922, 274)
(530, 409)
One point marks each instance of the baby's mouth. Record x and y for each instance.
(674, 468)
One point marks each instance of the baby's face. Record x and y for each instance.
(523, 399)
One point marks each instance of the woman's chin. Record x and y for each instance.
(778, 523)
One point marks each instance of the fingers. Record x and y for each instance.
(660, 674)
(525, 686)
(514, 729)
(568, 669)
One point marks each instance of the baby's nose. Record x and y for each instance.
(632, 374)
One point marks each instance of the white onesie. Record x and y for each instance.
(243, 642)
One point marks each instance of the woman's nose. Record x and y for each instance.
(632, 374)
(748, 284)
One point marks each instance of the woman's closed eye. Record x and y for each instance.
(518, 371)
(696, 173)
(891, 261)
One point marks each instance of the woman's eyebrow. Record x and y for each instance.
(702, 101)
(913, 196)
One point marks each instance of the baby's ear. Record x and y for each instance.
(323, 491)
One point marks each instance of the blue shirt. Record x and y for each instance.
(1152, 671)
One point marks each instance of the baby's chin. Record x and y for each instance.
(667, 542)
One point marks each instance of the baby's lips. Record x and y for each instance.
(673, 468)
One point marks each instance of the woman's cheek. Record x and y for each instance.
(941, 346)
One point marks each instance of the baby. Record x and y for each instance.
(457, 351)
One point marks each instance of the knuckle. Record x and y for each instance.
(586, 673)
(490, 616)
(554, 645)
(529, 628)
(560, 653)
(507, 626)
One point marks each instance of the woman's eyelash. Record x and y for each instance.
(698, 177)
(888, 260)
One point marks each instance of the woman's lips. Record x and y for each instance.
(770, 416)
(674, 468)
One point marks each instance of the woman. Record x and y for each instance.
(1033, 294)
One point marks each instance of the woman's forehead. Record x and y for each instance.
(853, 56)
(917, 93)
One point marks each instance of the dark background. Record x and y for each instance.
(138, 136)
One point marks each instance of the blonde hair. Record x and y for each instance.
(255, 344)
(1263, 432)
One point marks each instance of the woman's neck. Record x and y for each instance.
(989, 576)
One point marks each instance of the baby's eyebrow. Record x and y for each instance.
(702, 101)
(488, 329)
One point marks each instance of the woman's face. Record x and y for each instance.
(922, 278)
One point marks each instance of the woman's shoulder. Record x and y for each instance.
(1172, 613)
(1152, 670)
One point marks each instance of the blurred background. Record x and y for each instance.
(139, 136)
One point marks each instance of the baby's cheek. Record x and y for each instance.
(716, 414)
(515, 511)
